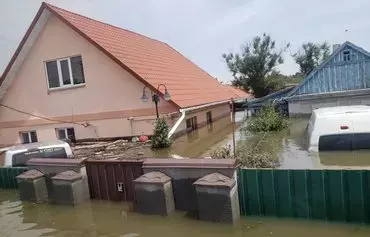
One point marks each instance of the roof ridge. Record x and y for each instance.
(102, 22)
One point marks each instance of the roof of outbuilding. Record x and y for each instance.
(150, 61)
(239, 93)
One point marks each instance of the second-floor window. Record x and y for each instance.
(28, 137)
(346, 55)
(66, 133)
(65, 72)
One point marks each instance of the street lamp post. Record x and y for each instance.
(155, 97)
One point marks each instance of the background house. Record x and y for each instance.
(254, 105)
(76, 77)
(343, 79)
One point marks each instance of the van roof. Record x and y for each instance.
(342, 110)
(36, 145)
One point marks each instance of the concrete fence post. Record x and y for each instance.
(32, 186)
(154, 195)
(217, 197)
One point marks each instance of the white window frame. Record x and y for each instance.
(65, 132)
(60, 76)
(29, 136)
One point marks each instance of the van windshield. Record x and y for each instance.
(20, 159)
(349, 141)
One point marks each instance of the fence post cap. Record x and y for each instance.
(215, 180)
(68, 175)
(153, 177)
(30, 174)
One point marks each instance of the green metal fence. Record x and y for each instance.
(336, 195)
(7, 177)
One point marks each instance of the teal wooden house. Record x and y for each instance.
(343, 79)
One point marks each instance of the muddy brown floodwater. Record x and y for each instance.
(108, 219)
(289, 146)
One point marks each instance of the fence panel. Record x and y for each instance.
(7, 176)
(336, 195)
(113, 179)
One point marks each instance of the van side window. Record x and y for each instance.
(28, 137)
(20, 159)
(349, 141)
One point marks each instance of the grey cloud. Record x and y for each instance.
(204, 29)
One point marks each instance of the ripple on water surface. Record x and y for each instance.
(114, 219)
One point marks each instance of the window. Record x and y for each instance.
(209, 117)
(346, 55)
(28, 137)
(20, 159)
(191, 123)
(65, 72)
(66, 133)
(348, 141)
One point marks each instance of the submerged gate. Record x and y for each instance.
(113, 179)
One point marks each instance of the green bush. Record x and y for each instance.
(267, 120)
(222, 153)
(248, 155)
(160, 136)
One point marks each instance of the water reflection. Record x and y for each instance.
(195, 144)
(116, 219)
(290, 148)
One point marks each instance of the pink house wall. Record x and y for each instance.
(218, 111)
(108, 88)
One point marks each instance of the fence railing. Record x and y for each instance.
(7, 177)
(336, 195)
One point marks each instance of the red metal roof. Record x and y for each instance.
(151, 61)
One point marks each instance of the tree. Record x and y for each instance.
(311, 55)
(258, 59)
(160, 137)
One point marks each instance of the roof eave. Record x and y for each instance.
(45, 6)
(19, 48)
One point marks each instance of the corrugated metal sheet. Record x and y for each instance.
(339, 75)
(7, 176)
(335, 195)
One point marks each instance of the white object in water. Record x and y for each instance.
(18, 155)
(339, 128)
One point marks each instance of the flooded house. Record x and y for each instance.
(255, 105)
(79, 78)
(343, 79)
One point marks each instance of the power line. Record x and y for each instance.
(41, 117)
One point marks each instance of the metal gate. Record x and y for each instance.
(113, 179)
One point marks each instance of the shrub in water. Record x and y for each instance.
(248, 154)
(267, 120)
(160, 136)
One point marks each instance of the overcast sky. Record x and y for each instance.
(204, 29)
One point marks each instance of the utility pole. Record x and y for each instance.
(233, 124)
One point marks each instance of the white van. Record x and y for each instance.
(19, 155)
(339, 128)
